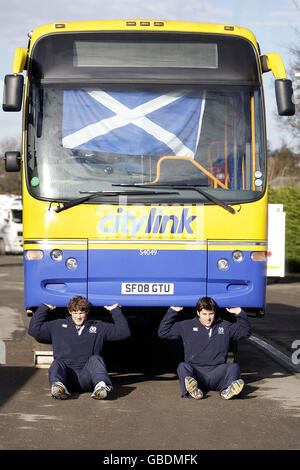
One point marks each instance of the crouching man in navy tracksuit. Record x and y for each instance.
(206, 343)
(77, 344)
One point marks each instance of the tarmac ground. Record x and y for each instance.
(144, 412)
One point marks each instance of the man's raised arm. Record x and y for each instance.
(168, 328)
(119, 329)
(38, 327)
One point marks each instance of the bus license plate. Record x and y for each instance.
(153, 288)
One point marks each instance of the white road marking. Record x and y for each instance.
(283, 358)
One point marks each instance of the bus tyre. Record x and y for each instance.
(230, 357)
(260, 313)
(2, 247)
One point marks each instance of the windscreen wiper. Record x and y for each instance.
(75, 202)
(185, 186)
(208, 196)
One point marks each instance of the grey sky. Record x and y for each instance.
(272, 21)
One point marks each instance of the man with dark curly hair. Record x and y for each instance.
(77, 345)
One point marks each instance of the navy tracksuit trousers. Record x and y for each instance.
(208, 377)
(79, 379)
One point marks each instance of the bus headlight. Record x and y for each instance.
(56, 255)
(238, 256)
(72, 263)
(223, 264)
(34, 254)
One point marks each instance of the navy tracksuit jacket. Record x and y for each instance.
(204, 355)
(77, 358)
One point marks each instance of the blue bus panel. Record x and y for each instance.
(173, 277)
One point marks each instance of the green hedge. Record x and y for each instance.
(289, 196)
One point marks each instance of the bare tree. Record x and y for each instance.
(293, 123)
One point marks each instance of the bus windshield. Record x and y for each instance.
(90, 139)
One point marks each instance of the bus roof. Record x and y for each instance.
(143, 25)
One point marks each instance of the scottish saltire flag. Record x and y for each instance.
(133, 123)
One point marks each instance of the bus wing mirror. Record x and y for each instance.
(273, 61)
(20, 60)
(13, 92)
(284, 94)
(12, 161)
(283, 86)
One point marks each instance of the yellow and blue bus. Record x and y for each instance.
(144, 162)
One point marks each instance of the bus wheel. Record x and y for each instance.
(2, 247)
(260, 313)
(230, 357)
(232, 350)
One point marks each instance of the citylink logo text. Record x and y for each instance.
(154, 222)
